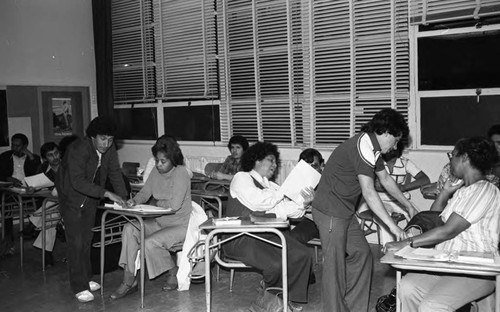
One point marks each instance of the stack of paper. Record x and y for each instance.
(430, 254)
(38, 181)
(301, 177)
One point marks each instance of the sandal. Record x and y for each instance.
(124, 290)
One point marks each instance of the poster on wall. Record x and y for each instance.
(62, 118)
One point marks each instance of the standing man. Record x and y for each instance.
(80, 185)
(15, 165)
(348, 175)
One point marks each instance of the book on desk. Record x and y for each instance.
(430, 254)
(227, 221)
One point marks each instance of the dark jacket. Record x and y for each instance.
(75, 176)
(31, 167)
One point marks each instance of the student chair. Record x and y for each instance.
(369, 224)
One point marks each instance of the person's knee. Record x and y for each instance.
(406, 290)
(431, 306)
(129, 230)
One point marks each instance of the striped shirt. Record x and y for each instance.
(479, 204)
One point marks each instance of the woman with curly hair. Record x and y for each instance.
(251, 190)
(168, 186)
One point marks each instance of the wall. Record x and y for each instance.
(47, 43)
(431, 162)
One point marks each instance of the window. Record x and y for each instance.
(302, 72)
(457, 80)
(294, 72)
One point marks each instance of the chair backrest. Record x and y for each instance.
(212, 167)
(130, 168)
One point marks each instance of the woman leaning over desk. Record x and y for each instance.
(168, 186)
(471, 212)
(251, 190)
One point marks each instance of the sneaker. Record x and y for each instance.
(84, 296)
(94, 286)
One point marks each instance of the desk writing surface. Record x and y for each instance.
(438, 266)
(245, 223)
(137, 212)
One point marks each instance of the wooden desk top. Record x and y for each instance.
(245, 224)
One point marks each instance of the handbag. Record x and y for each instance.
(387, 303)
(423, 222)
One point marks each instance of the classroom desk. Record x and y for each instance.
(401, 264)
(246, 228)
(17, 195)
(211, 199)
(136, 187)
(133, 214)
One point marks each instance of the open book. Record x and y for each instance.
(140, 208)
(301, 177)
(429, 254)
(38, 181)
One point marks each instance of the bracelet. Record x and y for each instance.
(411, 241)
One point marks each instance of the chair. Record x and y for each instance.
(316, 242)
(129, 169)
(369, 224)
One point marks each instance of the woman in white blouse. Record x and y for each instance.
(251, 190)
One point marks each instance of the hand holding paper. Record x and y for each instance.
(301, 179)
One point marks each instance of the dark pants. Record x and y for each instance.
(305, 230)
(78, 223)
(267, 259)
(347, 265)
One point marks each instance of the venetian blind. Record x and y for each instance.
(133, 51)
(262, 53)
(434, 11)
(186, 50)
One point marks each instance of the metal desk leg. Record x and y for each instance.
(398, 280)
(21, 225)
(3, 215)
(284, 267)
(103, 230)
(497, 294)
(208, 295)
(43, 232)
(141, 222)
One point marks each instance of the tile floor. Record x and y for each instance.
(31, 290)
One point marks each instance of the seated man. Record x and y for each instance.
(15, 165)
(51, 156)
(237, 146)
(250, 192)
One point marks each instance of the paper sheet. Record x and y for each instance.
(140, 208)
(38, 181)
(301, 177)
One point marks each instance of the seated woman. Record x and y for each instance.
(251, 190)
(237, 146)
(168, 186)
(471, 215)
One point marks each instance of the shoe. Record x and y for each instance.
(124, 290)
(171, 280)
(84, 296)
(294, 307)
(94, 286)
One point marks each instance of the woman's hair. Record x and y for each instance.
(101, 125)
(308, 155)
(387, 120)
(256, 152)
(238, 139)
(169, 146)
(481, 152)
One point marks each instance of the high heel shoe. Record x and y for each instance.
(124, 290)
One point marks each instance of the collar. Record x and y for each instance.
(373, 139)
(262, 180)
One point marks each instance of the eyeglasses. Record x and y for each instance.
(450, 155)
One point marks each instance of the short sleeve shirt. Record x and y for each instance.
(338, 190)
(479, 204)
